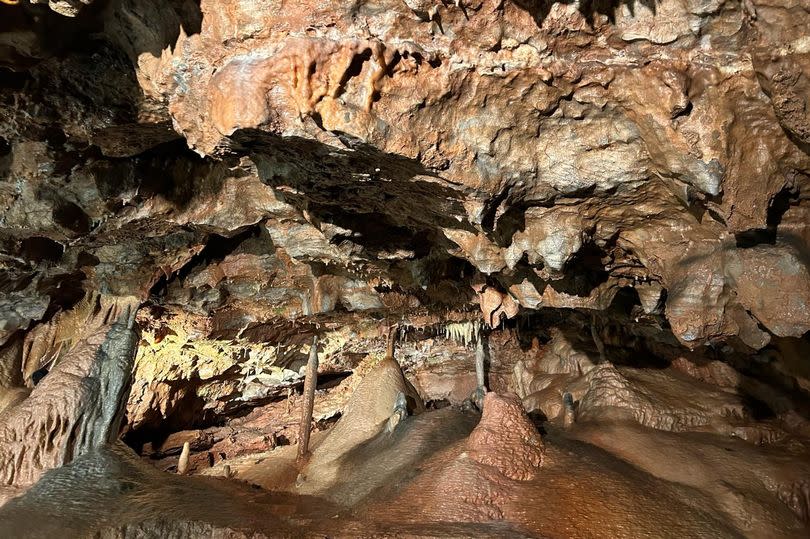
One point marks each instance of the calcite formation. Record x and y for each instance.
(607, 200)
(75, 410)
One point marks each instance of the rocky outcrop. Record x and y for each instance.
(629, 393)
(620, 127)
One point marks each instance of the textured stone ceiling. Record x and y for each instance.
(553, 153)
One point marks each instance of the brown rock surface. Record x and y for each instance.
(547, 146)
(612, 195)
(506, 440)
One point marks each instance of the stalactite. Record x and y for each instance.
(600, 345)
(393, 335)
(569, 412)
(480, 356)
(466, 332)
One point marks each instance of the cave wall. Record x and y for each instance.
(249, 177)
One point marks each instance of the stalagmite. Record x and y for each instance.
(310, 383)
(393, 332)
(480, 375)
(76, 409)
(182, 464)
(569, 413)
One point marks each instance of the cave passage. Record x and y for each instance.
(404, 268)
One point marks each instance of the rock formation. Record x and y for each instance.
(587, 221)
(76, 409)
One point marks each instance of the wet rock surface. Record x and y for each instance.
(606, 204)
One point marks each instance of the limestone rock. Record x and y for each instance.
(73, 411)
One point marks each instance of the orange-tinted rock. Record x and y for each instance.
(259, 172)
(506, 440)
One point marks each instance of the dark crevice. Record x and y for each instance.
(187, 413)
(354, 69)
(216, 249)
(40, 249)
(491, 211)
(625, 300)
(374, 231)
(5, 147)
(588, 272)
(71, 217)
(682, 112)
(779, 204)
(539, 9)
(332, 379)
(758, 236)
(511, 221)
(65, 291)
(437, 404)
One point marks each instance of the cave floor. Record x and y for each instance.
(597, 480)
